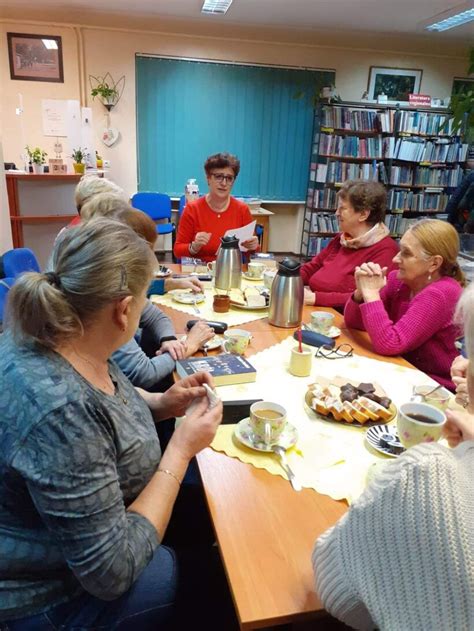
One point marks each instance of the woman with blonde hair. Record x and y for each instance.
(86, 493)
(105, 204)
(410, 312)
(402, 556)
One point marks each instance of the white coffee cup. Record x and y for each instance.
(236, 341)
(268, 277)
(255, 270)
(322, 321)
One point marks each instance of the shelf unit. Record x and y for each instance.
(384, 143)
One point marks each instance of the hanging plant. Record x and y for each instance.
(108, 90)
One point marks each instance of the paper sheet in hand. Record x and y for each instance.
(242, 234)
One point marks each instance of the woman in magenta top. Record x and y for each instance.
(364, 237)
(410, 312)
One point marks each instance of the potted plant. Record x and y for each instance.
(78, 155)
(107, 93)
(37, 158)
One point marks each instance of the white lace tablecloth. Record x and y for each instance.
(330, 457)
(234, 317)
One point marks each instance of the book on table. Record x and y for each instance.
(226, 369)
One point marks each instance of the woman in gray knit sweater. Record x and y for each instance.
(402, 557)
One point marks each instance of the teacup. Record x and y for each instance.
(419, 423)
(439, 399)
(211, 268)
(255, 270)
(267, 421)
(300, 363)
(236, 341)
(322, 321)
(268, 277)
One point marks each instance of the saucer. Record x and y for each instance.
(334, 331)
(211, 345)
(373, 438)
(188, 298)
(246, 276)
(243, 433)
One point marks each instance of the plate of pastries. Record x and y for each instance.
(252, 298)
(350, 402)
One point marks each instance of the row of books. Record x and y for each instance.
(416, 202)
(350, 146)
(324, 222)
(386, 121)
(324, 198)
(426, 176)
(419, 150)
(350, 119)
(398, 224)
(342, 171)
(422, 123)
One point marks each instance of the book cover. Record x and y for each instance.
(226, 369)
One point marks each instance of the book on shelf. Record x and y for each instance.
(226, 369)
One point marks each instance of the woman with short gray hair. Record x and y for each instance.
(85, 493)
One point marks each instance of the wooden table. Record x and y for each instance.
(265, 530)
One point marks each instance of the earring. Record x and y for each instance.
(429, 278)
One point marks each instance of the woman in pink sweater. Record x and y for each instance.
(364, 237)
(410, 313)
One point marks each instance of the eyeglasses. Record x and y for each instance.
(338, 352)
(220, 177)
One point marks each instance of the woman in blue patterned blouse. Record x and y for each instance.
(85, 492)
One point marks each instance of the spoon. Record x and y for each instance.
(281, 453)
(425, 395)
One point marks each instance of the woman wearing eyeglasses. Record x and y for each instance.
(410, 312)
(205, 220)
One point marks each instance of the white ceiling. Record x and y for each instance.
(380, 16)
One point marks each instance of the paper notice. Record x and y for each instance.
(242, 234)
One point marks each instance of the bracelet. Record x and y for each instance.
(191, 249)
(168, 472)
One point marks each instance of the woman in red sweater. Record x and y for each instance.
(410, 313)
(364, 237)
(205, 220)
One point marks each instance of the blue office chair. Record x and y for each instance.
(182, 204)
(19, 260)
(158, 207)
(5, 285)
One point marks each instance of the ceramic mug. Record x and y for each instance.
(439, 399)
(300, 363)
(322, 321)
(255, 270)
(268, 277)
(236, 341)
(267, 421)
(419, 423)
(221, 303)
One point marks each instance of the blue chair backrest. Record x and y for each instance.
(182, 204)
(155, 205)
(5, 284)
(19, 260)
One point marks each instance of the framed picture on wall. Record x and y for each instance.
(395, 83)
(35, 57)
(462, 85)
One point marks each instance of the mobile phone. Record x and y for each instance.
(219, 327)
(315, 339)
(235, 411)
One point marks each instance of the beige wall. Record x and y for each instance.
(114, 51)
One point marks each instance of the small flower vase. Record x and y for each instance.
(79, 167)
(38, 168)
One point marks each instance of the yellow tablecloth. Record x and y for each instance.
(234, 317)
(330, 457)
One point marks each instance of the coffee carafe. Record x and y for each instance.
(287, 295)
(228, 264)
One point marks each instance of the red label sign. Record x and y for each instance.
(419, 99)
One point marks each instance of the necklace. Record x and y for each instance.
(105, 383)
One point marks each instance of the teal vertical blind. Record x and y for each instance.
(188, 110)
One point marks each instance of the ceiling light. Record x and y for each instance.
(450, 19)
(50, 44)
(216, 6)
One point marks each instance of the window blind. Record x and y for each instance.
(188, 110)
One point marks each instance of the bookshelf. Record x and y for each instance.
(412, 151)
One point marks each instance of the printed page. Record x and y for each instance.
(242, 234)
